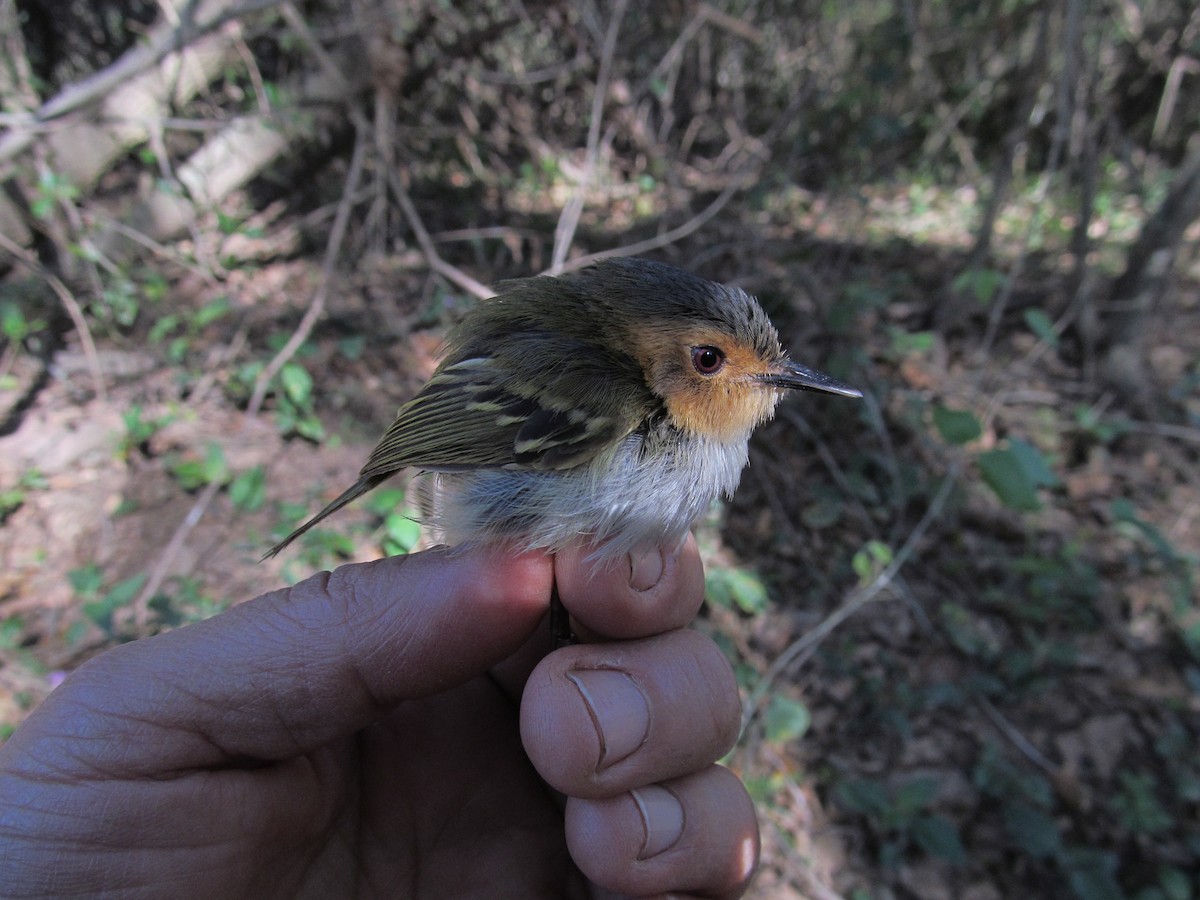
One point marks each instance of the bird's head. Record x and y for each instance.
(708, 350)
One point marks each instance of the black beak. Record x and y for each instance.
(801, 378)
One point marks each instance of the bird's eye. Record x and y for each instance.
(707, 360)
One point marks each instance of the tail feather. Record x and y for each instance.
(356, 490)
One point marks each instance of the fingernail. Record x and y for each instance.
(645, 569)
(662, 817)
(619, 710)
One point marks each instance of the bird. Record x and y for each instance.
(607, 407)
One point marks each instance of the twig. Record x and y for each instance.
(317, 306)
(811, 640)
(141, 606)
(1018, 740)
(1058, 142)
(568, 221)
(95, 217)
(667, 237)
(832, 466)
(733, 25)
(432, 257)
(72, 307)
(161, 43)
(435, 261)
(1165, 429)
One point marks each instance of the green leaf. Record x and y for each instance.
(193, 473)
(210, 312)
(786, 720)
(248, 491)
(124, 591)
(822, 512)
(862, 795)
(161, 328)
(86, 580)
(1175, 883)
(1041, 325)
(1003, 473)
(913, 796)
(939, 837)
(402, 533)
(297, 383)
(736, 587)
(983, 283)
(911, 343)
(1033, 463)
(352, 347)
(956, 426)
(872, 559)
(1091, 873)
(385, 500)
(1031, 829)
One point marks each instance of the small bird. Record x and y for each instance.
(607, 407)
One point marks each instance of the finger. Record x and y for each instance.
(696, 835)
(643, 593)
(293, 669)
(599, 719)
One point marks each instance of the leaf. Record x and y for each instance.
(1003, 473)
(913, 796)
(402, 533)
(297, 383)
(1041, 325)
(248, 491)
(786, 720)
(862, 795)
(1031, 829)
(1033, 463)
(983, 283)
(210, 312)
(86, 580)
(736, 587)
(1091, 873)
(822, 512)
(385, 500)
(872, 559)
(956, 426)
(195, 473)
(124, 591)
(939, 837)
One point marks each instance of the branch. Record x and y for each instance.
(432, 257)
(316, 307)
(662, 240)
(72, 307)
(856, 601)
(141, 605)
(195, 20)
(568, 221)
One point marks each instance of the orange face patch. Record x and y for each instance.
(723, 406)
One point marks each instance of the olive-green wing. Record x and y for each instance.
(539, 402)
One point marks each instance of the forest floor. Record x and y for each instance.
(1014, 712)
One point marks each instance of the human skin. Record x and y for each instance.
(398, 728)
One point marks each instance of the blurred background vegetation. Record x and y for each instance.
(963, 612)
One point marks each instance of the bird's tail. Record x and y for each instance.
(360, 487)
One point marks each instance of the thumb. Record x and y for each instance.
(292, 670)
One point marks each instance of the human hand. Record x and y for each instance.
(357, 735)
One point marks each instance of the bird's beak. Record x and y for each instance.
(788, 374)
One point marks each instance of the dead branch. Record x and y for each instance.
(70, 304)
(568, 220)
(805, 645)
(197, 18)
(316, 307)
